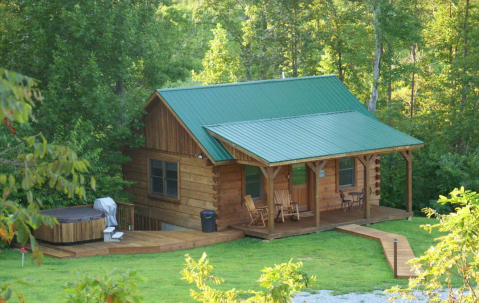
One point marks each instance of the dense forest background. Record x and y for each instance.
(414, 63)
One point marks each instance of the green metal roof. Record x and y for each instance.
(310, 136)
(224, 103)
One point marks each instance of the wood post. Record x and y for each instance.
(408, 157)
(316, 167)
(395, 258)
(366, 161)
(270, 173)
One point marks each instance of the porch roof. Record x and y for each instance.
(308, 137)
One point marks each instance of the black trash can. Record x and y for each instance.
(208, 220)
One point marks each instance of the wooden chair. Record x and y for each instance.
(285, 205)
(257, 214)
(348, 203)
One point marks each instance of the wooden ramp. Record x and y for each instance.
(405, 252)
(141, 242)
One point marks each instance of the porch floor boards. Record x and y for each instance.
(141, 242)
(405, 253)
(330, 219)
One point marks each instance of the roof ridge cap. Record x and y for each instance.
(159, 90)
(279, 118)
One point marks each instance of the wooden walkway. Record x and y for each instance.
(141, 242)
(330, 219)
(405, 253)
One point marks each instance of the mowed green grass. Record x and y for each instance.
(342, 263)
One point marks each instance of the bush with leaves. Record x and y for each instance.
(122, 289)
(6, 290)
(455, 255)
(28, 164)
(281, 282)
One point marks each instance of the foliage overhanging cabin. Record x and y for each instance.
(209, 146)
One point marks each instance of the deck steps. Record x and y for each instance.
(405, 253)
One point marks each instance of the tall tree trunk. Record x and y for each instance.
(413, 52)
(464, 85)
(377, 60)
(120, 91)
(463, 98)
(340, 63)
(390, 83)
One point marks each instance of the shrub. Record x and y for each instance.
(455, 255)
(281, 283)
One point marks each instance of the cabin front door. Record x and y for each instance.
(300, 186)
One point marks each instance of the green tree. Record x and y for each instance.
(455, 255)
(29, 164)
(96, 63)
(221, 63)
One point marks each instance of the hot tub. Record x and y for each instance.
(77, 224)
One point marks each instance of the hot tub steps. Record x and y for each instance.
(110, 235)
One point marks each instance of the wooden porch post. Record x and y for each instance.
(366, 161)
(270, 173)
(316, 167)
(407, 154)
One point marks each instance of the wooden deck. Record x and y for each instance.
(142, 242)
(329, 221)
(405, 253)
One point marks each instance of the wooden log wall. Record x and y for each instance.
(231, 208)
(329, 184)
(197, 188)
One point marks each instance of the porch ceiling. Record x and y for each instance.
(311, 137)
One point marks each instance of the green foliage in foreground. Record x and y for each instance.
(107, 288)
(281, 282)
(455, 255)
(342, 263)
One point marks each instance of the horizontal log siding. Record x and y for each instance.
(197, 188)
(231, 208)
(329, 185)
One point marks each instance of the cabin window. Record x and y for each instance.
(253, 182)
(346, 172)
(163, 178)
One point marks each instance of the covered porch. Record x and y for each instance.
(330, 219)
(316, 140)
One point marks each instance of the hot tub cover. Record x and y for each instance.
(74, 214)
(109, 207)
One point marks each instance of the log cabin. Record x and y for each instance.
(207, 147)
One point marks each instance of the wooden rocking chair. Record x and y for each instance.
(258, 214)
(285, 205)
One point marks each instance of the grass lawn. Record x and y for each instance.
(341, 262)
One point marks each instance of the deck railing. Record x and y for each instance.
(125, 215)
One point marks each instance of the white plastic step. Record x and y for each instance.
(109, 230)
(117, 235)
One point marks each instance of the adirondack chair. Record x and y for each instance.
(285, 205)
(258, 214)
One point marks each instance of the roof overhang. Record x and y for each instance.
(300, 139)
